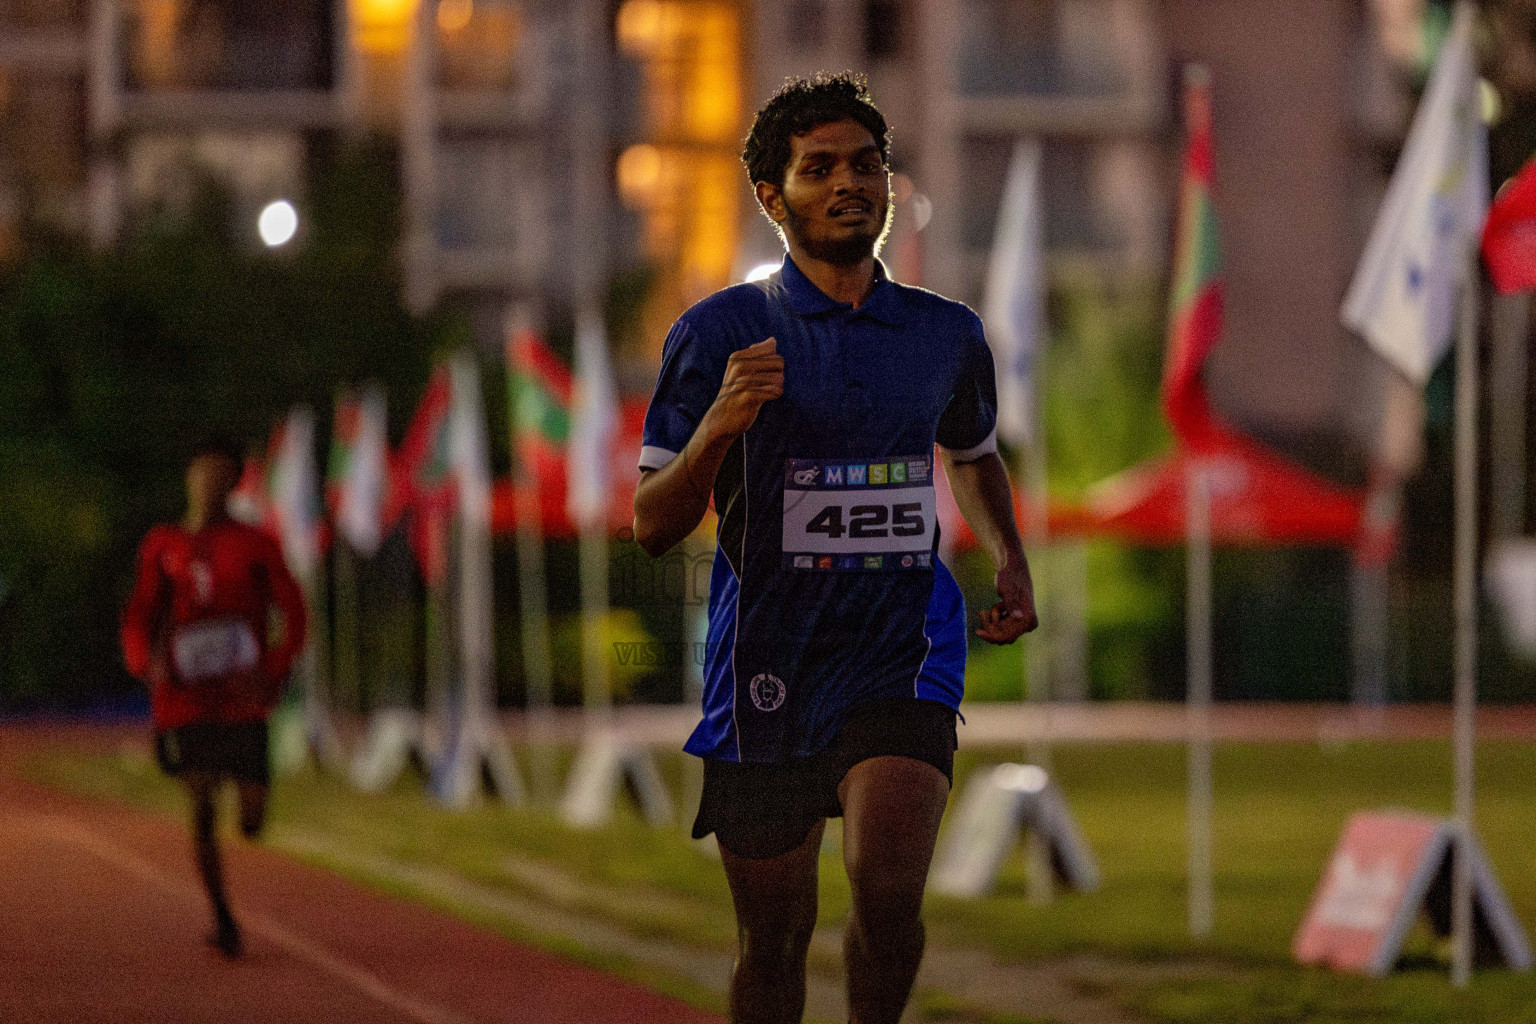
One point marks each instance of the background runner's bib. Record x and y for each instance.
(847, 515)
(214, 649)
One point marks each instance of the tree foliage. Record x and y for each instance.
(113, 364)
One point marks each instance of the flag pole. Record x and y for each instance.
(1198, 699)
(538, 672)
(1465, 602)
(1039, 648)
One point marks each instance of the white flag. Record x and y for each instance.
(1012, 309)
(594, 417)
(360, 508)
(1403, 297)
(469, 453)
(295, 493)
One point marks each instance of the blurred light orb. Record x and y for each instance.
(922, 210)
(1490, 101)
(641, 24)
(455, 15)
(762, 272)
(640, 168)
(278, 223)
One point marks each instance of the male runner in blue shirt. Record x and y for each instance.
(809, 405)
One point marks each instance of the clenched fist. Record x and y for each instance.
(753, 375)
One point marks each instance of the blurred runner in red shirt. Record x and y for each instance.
(196, 630)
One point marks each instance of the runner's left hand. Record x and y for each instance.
(1014, 615)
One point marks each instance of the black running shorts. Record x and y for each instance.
(765, 810)
(238, 751)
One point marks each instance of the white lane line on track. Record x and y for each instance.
(358, 978)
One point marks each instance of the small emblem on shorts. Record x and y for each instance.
(767, 691)
(925, 559)
(906, 561)
(872, 561)
(824, 562)
(807, 476)
(805, 562)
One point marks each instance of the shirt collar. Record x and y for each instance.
(884, 302)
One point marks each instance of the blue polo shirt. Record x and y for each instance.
(826, 587)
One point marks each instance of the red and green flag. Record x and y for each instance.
(1196, 299)
(424, 460)
(422, 479)
(539, 403)
(357, 472)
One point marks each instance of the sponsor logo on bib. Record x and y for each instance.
(767, 691)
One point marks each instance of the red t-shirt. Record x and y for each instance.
(196, 629)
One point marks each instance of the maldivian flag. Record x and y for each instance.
(422, 468)
(1196, 301)
(358, 469)
(1403, 298)
(539, 401)
(594, 419)
(422, 476)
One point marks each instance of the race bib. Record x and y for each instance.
(213, 650)
(847, 515)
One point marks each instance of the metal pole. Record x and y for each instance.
(538, 672)
(1198, 700)
(346, 645)
(104, 115)
(596, 691)
(589, 174)
(1465, 604)
(418, 158)
(1508, 371)
(1038, 649)
(1368, 635)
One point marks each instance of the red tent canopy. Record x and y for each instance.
(1257, 498)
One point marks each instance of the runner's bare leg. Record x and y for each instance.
(203, 787)
(775, 902)
(891, 812)
(253, 808)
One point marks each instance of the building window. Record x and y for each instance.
(885, 28)
(808, 23)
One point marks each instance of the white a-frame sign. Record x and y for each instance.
(997, 805)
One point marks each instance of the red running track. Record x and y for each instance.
(102, 920)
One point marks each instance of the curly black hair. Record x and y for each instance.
(800, 105)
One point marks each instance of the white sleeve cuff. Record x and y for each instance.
(652, 457)
(987, 447)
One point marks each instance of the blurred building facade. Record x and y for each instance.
(1309, 108)
(545, 146)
